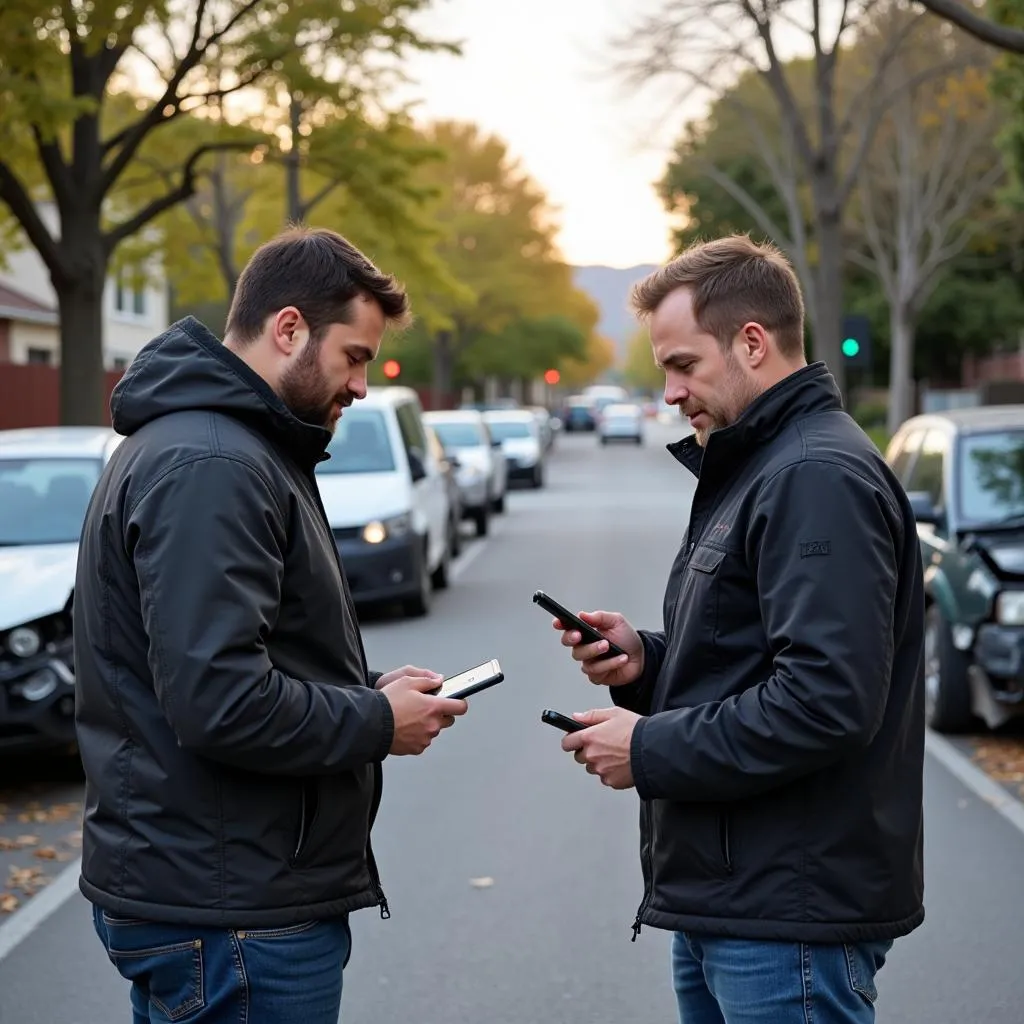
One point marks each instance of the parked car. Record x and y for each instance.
(482, 471)
(549, 425)
(621, 422)
(519, 434)
(449, 466)
(579, 415)
(963, 471)
(387, 502)
(47, 476)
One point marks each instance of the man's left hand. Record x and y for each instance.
(604, 745)
(408, 670)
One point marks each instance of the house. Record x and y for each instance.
(29, 326)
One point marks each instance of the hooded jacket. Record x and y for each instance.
(228, 726)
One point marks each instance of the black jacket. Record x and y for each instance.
(230, 737)
(780, 768)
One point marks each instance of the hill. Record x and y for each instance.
(609, 288)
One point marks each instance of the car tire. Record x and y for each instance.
(482, 518)
(418, 604)
(537, 480)
(499, 503)
(439, 577)
(947, 693)
(454, 537)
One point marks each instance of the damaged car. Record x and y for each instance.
(963, 471)
(47, 476)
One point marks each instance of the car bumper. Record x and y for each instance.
(37, 702)
(622, 433)
(997, 675)
(474, 496)
(521, 468)
(382, 572)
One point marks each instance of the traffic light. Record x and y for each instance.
(392, 368)
(856, 343)
(552, 377)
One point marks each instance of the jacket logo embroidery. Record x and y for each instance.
(815, 547)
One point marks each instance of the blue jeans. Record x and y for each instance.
(738, 981)
(289, 975)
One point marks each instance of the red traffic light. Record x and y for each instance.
(552, 376)
(392, 368)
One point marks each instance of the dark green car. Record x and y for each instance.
(963, 471)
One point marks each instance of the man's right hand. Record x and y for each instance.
(419, 716)
(605, 671)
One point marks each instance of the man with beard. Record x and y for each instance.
(231, 733)
(774, 727)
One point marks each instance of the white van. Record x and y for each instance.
(387, 501)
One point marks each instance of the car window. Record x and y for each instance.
(361, 444)
(991, 484)
(459, 435)
(902, 457)
(927, 472)
(502, 430)
(411, 426)
(43, 501)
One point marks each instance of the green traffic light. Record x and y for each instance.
(851, 346)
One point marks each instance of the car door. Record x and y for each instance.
(429, 491)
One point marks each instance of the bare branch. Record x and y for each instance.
(960, 14)
(19, 202)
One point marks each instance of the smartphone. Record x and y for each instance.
(473, 680)
(560, 721)
(570, 621)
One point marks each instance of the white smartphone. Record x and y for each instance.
(473, 680)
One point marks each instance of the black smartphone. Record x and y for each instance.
(560, 721)
(473, 680)
(570, 621)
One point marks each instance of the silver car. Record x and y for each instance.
(480, 468)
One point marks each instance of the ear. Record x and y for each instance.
(754, 344)
(289, 330)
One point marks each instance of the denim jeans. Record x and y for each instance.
(179, 973)
(738, 981)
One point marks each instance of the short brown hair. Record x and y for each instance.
(733, 281)
(318, 272)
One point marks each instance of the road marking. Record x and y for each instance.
(465, 560)
(975, 779)
(22, 923)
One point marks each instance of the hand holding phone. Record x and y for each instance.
(570, 621)
(560, 721)
(473, 680)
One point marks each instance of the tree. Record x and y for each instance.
(822, 140)
(497, 239)
(65, 70)
(600, 357)
(932, 169)
(1001, 36)
(640, 370)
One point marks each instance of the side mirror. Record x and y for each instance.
(923, 508)
(453, 461)
(495, 443)
(417, 465)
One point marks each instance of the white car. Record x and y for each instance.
(621, 422)
(481, 471)
(519, 434)
(387, 501)
(47, 477)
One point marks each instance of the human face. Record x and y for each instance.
(322, 378)
(709, 383)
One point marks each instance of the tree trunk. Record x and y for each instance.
(292, 163)
(444, 359)
(82, 381)
(901, 331)
(828, 329)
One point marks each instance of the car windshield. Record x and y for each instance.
(43, 501)
(992, 477)
(504, 430)
(361, 444)
(459, 435)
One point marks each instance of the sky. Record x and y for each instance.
(534, 72)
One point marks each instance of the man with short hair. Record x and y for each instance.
(774, 728)
(230, 730)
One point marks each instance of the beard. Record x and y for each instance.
(307, 393)
(738, 391)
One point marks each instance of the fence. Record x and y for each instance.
(30, 395)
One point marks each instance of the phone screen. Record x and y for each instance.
(471, 677)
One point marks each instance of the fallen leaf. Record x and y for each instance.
(481, 883)
(45, 853)
(74, 838)
(23, 842)
(8, 903)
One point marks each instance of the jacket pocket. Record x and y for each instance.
(725, 838)
(309, 811)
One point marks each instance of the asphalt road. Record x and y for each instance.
(512, 875)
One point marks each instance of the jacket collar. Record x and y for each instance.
(809, 390)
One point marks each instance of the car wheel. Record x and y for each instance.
(482, 519)
(454, 537)
(499, 503)
(419, 603)
(439, 577)
(537, 480)
(947, 695)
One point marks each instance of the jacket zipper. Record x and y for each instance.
(382, 900)
(300, 841)
(649, 885)
(723, 832)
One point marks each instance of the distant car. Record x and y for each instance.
(387, 501)
(490, 405)
(519, 434)
(546, 422)
(449, 467)
(963, 471)
(621, 422)
(579, 415)
(481, 471)
(47, 476)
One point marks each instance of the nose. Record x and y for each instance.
(357, 384)
(675, 392)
